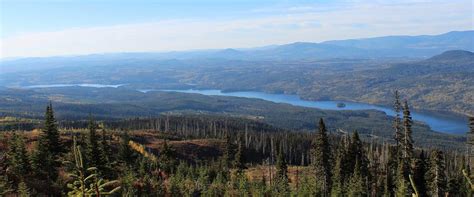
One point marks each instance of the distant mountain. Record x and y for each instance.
(454, 55)
(380, 47)
(228, 54)
(448, 41)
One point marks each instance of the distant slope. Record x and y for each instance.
(77, 103)
(444, 82)
(454, 56)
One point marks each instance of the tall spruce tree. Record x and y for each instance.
(167, 158)
(45, 158)
(407, 132)
(106, 154)
(229, 152)
(403, 179)
(338, 172)
(397, 122)
(94, 153)
(126, 154)
(437, 175)
(239, 159)
(357, 184)
(388, 182)
(282, 186)
(419, 174)
(51, 133)
(18, 159)
(356, 152)
(321, 159)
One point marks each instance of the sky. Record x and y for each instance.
(34, 28)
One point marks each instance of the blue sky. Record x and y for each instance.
(62, 27)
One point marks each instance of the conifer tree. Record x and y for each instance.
(86, 181)
(436, 175)
(94, 155)
(357, 185)
(228, 152)
(167, 158)
(23, 190)
(407, 139)
(419, 173)
(106, 152)
(282, 186)
(51, 133)
(356, 152)
(45, 159)
(397, 122)
(18, 157)
(105, 146)
(338, 173)
(388, 183)
(126, 154)
(321, 159)
(239, 159)
(406, 159)
(403, 180)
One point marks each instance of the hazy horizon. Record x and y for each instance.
(59, 28)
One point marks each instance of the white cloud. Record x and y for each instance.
(305, 23)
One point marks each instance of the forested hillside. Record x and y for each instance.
(76, 103)
(443, 83)
(204, 156)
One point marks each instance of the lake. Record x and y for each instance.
(437, 122)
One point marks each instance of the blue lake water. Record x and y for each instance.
(437, 122)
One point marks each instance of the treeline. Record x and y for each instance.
(108, 159)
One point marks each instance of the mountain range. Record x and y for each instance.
(421, 46)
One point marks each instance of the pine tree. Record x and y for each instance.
(436, 175)
(356, 152)
(321, 159)
(105, 146)
(338, 173)
(51, 133)
(357, 186)
(403, 180)
(45, 159)
(228, 152)
(419, 174)
(106, 152)
(94, 155)
(397, 122)
(5, 184)
(239, 159)
(167, 158)
(407, 139)
(388, 183)
(18, 159)
(126, 154)
(23, 190)
(282, 186)
(86, 181)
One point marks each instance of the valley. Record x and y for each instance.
(381, 116)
